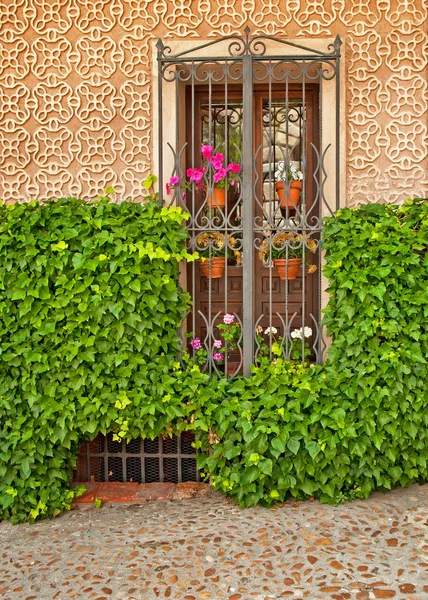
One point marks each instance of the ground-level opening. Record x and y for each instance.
(164, 459)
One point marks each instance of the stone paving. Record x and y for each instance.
(208, 548)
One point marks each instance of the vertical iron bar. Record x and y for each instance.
(271, 196)
(161, 474)
(304, 200)
(177, 124)
(320, 211)
(179, 470)
(192, 219)
(337, 44)
(247, 214)
(160, 121)
(88, 462)
(143, 462)
(210, 187)
(105, 459)
(227, 232)
(287, 214)
(123, 457)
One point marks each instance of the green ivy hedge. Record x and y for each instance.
(89, 310)
(89, 306)
(360, 422)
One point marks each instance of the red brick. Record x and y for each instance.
(117, 492)
(154, 491)
(190, 489)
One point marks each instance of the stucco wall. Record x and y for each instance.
(75, 90)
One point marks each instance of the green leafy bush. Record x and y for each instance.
(89, 306)
(360, 422)
(89, 310)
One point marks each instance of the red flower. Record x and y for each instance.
(217, 160)
(206, 151)
(195, 174)
(221, 174)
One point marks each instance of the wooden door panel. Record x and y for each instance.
(269, 290)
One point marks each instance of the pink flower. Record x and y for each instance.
(218, 356)
(173, 181)
(234, 167)
(195, 174)
(221, 174)
(233, 182)
(218, 344)
(217, 160)
(228, 319)
(196, 344)
(206, 151)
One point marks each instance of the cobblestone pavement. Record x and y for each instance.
(209, 548)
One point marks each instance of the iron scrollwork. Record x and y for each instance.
(260, 308)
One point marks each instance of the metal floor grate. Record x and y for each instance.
(141, 460)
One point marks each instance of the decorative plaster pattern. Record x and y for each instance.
(75, 90)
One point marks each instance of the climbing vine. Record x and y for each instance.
(89, 308)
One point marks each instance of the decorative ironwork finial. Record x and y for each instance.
(337, 43)
(160, 45)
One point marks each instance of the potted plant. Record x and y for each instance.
(299, 334)
(199, 354)
(294, 178)
(214, 177)
(223, 177)
(231, 332)
(286, 251)
(214, 249)
(271, 346)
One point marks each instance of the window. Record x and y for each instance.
(259, 233)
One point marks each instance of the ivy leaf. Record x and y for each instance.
(149, 181)
(293, 445)
(278, 445)
(249, 475)
(313, 449)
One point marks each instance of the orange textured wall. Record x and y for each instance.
(75, 90)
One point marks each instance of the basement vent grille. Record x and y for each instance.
(141, 460)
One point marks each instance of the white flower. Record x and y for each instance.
(271, 330)
(293, 173)
(298, 333)
(280, 171)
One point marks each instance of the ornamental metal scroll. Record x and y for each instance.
(244, 149)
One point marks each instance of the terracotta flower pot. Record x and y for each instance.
(294, 265)
(292, 200)
(216, 199)
(213, 267)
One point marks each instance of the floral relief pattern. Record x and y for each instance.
(76, 109)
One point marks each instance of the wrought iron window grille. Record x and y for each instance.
(259, 109)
